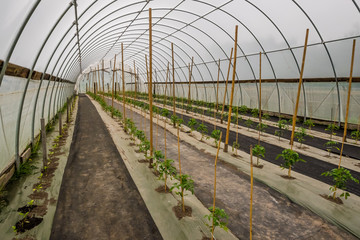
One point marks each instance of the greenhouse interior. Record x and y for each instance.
(181, 119)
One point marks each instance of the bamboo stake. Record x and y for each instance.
(216, 158)
(173, 73)
(112, 93)
(226, 84)
(298, 95)
(232, 92)
(182, 190)
(217, 89)
(135, 80)
(123, 80)
(150, 89)
(116, 83)
(190, 75)
(251, 189)
(217, 95)
(103, 76)
(147, 78)
(131, 111)
(348, 101)
(167, 75)
(165, 149)
(99, 80)
(259, 102)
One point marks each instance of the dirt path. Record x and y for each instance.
(274, 216)
(98, 198)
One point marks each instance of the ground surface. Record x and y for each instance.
(275, 217)
(98, 199)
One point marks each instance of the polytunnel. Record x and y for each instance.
(217, 97)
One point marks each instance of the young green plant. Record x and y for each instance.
(290, 157)
(340, 177)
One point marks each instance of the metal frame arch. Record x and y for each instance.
(18, 121)
(183, 51)
(260, 45)
(329, 55)
(162, 25)
(17, 37)
(287, 43)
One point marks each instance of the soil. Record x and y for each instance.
(161, 189)
(287, 177)
(27, 223)
(156, 173)
(179, 211)
(337, 200)
(143, 161)
(26, 208)
(98, 198)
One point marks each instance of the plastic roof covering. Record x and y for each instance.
(203, 29)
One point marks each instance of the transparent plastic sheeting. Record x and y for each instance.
(10, 96)
(321, 97)
(200, 29)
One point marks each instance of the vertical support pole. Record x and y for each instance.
(112, 92)
(98, 79)
(190, 75)
(150, 89)
(298, 93)
(216, 158)
(103, 86)
(67, 110)
(259, 98)
(348, 101)
(217, 89)
(232, 92)
(173, 73)
(43, 141)
(226, 84)
(251, 189)
(298, 96)
(135, 80)
(60, 123)
(123, 80)
(166, 80)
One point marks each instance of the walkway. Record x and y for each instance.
(98, 198)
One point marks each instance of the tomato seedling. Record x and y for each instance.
(340, 177)
(290, 157)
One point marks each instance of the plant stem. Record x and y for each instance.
(289, 172)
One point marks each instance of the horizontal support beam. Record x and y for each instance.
(23, 72)
(290, 80)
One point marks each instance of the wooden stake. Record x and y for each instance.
(259, 98)
(103, 77)
(173, 73)
(166, 80)
(298, 95)
(299, 89)
(150, 90)
(348, 101)
(190, 75)
(251, 189)
(43, 142)
(135, 80)
(232, 92)
(182, 190)
(123, 81)
(112, 92)
(216, 158)
(226, 84)
(217, 89)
